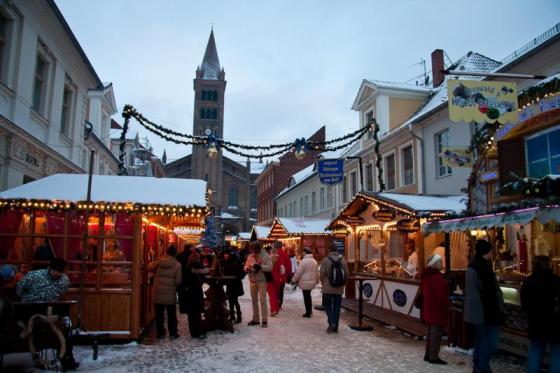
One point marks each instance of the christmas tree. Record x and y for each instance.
(211, 238)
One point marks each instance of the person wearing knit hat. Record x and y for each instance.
(484, 305)
(435, 307)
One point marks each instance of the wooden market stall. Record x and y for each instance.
(260, 233)
(127, 223)
(379, 226)
(300, 232)
(514, 200)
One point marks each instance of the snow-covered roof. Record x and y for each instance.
(394, 85)
(456, 204)
(114, 189)
(377, 85)
(298, 178)
(261, 231)
(227, 215)
(301, 225)
(244, 235)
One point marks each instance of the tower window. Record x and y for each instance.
(206, 95)
(208, 113)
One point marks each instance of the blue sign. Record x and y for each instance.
(331, 171)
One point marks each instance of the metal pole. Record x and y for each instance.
(84, 242)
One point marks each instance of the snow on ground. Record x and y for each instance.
(290, 343)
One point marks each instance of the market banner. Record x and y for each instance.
(384, 215)
(457, 157)
(482, 101)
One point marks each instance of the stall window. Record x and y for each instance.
(390, 171)
(543, 153)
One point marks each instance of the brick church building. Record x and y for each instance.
(232, 184)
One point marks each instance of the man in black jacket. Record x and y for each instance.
(540, 298)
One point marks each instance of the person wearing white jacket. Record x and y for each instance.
(307, 277)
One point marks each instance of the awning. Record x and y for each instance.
(524, 216)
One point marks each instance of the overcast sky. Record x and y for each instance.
(291, 66)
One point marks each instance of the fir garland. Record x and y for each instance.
(378, 156)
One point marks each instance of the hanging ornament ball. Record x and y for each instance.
(212, 151)
(300, 154)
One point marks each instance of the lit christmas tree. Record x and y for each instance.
(211, 238)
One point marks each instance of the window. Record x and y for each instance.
(353, 184)
(208, 113)
(39, 84)
(306, 205)
(344, 190)
(390, 171)
(408, 165)
(543, 153)
(442, 140)
(66, 111)
(322, 199)
(233, 197)
(209, 95)
(329, 196)
(313, 202)
(369, 177)
(301, 206)
(369, 119)
(4, 24)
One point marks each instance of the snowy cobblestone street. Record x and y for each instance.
(290, 343)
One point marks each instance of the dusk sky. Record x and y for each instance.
(291, 66)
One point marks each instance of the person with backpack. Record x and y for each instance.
(333, 275)
(307, 277)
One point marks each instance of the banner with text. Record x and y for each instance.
(482, 101)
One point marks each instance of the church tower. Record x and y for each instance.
(209, 90)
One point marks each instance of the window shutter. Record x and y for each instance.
(511, 158)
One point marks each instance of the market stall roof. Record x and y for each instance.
(487, 221)
(282, 227)
(260, 232)
(415, 205)
(244, 236)
(112, 189)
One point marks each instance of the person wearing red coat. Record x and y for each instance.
(282, 271)
(435, 307)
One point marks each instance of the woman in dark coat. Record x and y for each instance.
(234, 288)
(435, 293)
(192, 301)
(540, 298)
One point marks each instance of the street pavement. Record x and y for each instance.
(290, 343)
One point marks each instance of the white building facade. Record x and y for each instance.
(49, 91)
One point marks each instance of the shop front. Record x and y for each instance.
(107, 241)
(298, 233)
(385, 242)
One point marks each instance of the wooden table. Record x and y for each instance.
(216, 315)
(361, 326)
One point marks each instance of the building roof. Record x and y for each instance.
(74, 40)
(260, 231)
(379, 84)
(210, 63)
(112, 189)
(298, 226)
(298, 178)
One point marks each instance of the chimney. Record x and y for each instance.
(437, 67)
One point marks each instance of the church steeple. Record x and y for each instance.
(210, 67)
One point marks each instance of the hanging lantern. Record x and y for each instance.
(300, 146)
(300, 154)
(212, 151)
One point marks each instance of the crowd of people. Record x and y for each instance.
(179, 278)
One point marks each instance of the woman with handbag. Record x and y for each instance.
(166, 279)
(434, 306)
(307, 277)
(257, 263)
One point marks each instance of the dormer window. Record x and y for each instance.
(369, 119)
